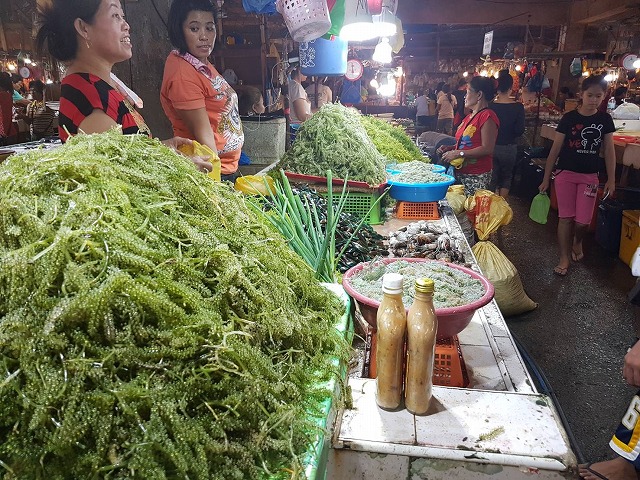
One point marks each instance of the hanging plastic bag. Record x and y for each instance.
(259, 6)
(509, 292)
(456, 198)
(487, 212)
(490, 212)
(539, 210)
(626, 111)
(199, 150)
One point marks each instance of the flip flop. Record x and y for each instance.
(588, 468)
(560, 271)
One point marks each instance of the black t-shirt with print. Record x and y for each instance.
(583, 139)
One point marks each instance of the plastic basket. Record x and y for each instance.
(359, 204)
(417, 211)
(306, 20)
(449, 369)
(420, 192)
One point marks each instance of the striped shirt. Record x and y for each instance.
(81, 94)
(41, 119)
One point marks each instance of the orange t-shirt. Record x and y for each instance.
(185, 88)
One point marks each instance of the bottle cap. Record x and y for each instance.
(392, 283)
(425, 285)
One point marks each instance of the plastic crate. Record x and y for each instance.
(359, 204)
(449, 369)
(417, 211)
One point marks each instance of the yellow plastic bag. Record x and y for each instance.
(199, 150)
(456, 198)
(509, 292)
(487, 212)
(255, 185)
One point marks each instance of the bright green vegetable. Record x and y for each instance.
(334, 139)
(391, 141)
(151, 325)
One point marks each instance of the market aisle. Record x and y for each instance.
(581, 329)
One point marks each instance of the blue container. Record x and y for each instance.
(420, 192)
(322, 57)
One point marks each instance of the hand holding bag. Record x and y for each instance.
(539, 210)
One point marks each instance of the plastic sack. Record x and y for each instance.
(509, 292)
(456, 198)
(487, 212)
(199, 150)
(627, 111)
(539, 210)
(635, 263)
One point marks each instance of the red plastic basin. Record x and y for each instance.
(451, 320)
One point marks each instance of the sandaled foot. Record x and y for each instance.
(577, 256)
(561, 271)
(616, 469)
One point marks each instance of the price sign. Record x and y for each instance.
(488, 40)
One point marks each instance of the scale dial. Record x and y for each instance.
(355, 69)
(627, 61)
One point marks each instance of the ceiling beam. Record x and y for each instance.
(593, 11)
(485, 12)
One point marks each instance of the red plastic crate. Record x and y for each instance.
(417, 211)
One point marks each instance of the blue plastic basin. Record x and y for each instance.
(420, 192)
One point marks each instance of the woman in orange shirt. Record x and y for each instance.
(197, 99)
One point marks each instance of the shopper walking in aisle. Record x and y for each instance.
(197, 99)
(460, 93)
(476, 137)
(446, 105)
(580, 136)
(511, 116)
(91, 36)
(625, 443)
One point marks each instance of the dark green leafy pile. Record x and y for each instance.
(390, 141)
(334, 139)
(151, 326)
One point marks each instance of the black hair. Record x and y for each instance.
(37, 86)
(57, 33)
(594, 81)
(505, 81)
(178, 13)
(485, 85)
(462, 82)
(15, 78)
(620, 91)
(248, 96)
(446, 89)
(5, 82)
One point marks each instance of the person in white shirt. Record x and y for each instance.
(425, 110)
(446, 106)
(324, 95)
(299, 104)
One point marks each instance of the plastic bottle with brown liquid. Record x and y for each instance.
(422, 326)
(390, 335)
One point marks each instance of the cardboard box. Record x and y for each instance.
(264, 140)
(629, 235)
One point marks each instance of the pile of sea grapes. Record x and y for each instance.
(151, 326)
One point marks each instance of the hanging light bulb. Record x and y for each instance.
(383, 51)
(27, 61)
(465, 74)
(12, 66)
(518, 68)
(358, 25)
(387, 86)
(636, 64)
(484, 73)
(374, 83)
(585, 73)
(608, 77)
(385, 23)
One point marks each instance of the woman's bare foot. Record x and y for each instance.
(577, 254)
(616, 469)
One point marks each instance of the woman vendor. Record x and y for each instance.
(197, 99)
(476, 137)
(91, 36)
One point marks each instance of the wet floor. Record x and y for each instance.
(581, 329)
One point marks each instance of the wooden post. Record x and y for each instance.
(3, 38)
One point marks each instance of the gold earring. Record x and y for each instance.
(87, 43)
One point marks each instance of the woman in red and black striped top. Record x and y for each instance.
(92, 36)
